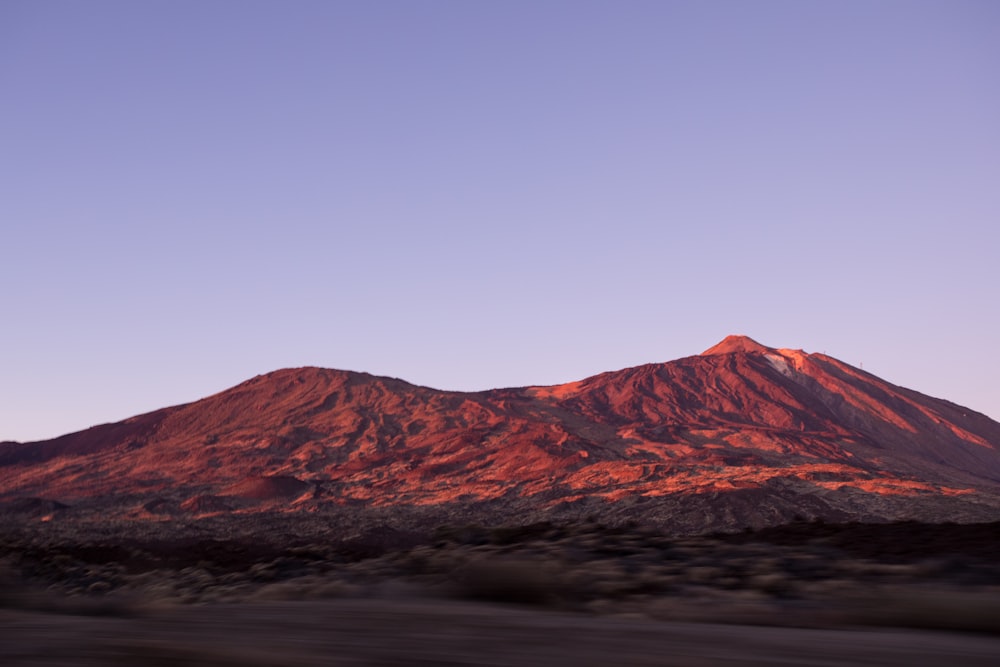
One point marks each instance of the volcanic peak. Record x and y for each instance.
(737, 343)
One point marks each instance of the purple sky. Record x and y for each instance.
(478, 194)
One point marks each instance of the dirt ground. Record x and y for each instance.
(436, 632)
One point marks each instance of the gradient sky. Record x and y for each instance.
(477, 194)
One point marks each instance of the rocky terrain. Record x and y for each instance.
(313, 516)
(740, 436)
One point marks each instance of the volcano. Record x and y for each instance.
(742, 435)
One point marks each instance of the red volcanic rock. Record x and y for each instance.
(742, 433)
(205, 504)
(733, 344)
(268, 488)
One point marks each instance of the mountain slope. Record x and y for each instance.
(745, 433)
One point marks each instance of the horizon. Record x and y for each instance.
(474, 196)
(363, 372)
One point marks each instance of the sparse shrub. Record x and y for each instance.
(13, 592)
(469, 534)
(304, 588)
(511, 580)
(16, 594)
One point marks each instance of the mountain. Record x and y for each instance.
(740, 435)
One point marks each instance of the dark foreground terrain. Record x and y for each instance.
(807, 593)
(434, 632)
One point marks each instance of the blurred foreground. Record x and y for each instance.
(423, 632)
(581, 594)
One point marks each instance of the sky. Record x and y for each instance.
(470, 195)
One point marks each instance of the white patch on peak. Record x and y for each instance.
(779, 363)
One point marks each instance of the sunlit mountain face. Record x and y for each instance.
(740, 435)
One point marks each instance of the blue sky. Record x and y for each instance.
(477, 194)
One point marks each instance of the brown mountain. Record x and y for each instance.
(740, 435)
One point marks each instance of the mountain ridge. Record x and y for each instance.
(741, 417)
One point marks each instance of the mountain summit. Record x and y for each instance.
(742, 434)
(732, 344)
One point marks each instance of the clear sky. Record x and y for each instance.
(469, 195)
